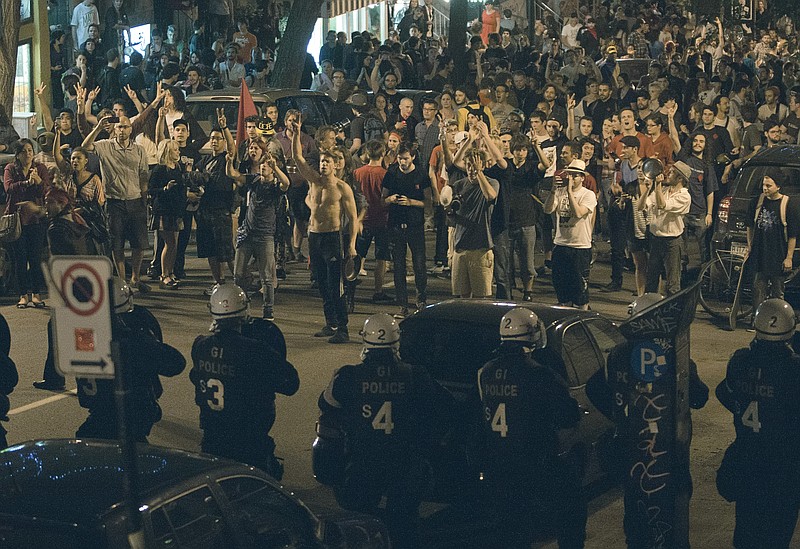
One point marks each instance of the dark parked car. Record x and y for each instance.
(316, 107)
(730, 233)
(68, 494)
(455, 338)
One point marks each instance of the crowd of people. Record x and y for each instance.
(543, 118)
(545, 146)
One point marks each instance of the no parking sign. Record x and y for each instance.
(79, 291)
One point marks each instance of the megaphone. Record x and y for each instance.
(446, 196)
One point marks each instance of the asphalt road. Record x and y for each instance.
(183, 315)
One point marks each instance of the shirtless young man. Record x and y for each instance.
(328, 196)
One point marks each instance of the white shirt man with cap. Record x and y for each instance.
(573, 205)
(667, 202)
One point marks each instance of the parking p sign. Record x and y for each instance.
(79, 288)
(648, 361)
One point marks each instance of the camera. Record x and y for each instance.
(291, 165)
(455, 205)
(341, 125)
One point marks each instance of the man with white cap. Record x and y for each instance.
(572, 252)
(667, 202)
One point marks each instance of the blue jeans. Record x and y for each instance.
(264, 252)
(523, 241)
(502, 266)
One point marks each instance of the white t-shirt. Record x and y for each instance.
(573, 231)
(82, 17)
(668, 221)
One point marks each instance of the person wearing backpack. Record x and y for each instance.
(365, 127)
(773, 224)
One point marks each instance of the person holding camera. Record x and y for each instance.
(573, 205)
(473, 201)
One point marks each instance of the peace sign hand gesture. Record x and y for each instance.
(221, 119)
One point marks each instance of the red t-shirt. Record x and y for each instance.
(370, 178)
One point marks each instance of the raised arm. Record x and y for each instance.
(62, 164)
(309, 173)
(486, 188)
(223, 124)
(374, 80)
(231, 171)
(134, 97)
(571, 130)
(44, 108)
(494, 150)
(283, 179)
(88, 142)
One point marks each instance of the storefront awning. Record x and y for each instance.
(338, 7)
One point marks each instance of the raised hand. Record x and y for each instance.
(570, 101)
(221, 119)
(131, 92)
(40, 90)
(94, 93)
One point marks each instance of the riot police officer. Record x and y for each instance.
(8, 377)
(525, 406)
(390, 412)
(144, 359)
(235, 380)
(760, 469)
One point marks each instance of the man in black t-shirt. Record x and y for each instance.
(404, 191)
(773, 223)
(525, 210)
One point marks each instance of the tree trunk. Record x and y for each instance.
(457, 39)
(9, 34)
(291, 55)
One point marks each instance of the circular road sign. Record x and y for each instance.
(83, 289)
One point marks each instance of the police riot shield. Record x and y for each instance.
(656, 391)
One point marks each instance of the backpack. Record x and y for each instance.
(373, 128)
(784, 203)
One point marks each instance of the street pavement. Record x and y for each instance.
(183, 316)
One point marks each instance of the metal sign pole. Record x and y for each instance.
(130, 465)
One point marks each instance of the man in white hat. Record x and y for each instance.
(572, 251)
(667, 202)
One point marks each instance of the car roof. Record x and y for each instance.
(490, 311)
(262, 94)
(783, 155)
(78, 481)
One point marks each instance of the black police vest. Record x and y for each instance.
(762, 384)
(524, 405)
(378, 397)
(235, 380)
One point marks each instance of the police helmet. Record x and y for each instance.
(521, 325)
(228, 301)
(123, 296)
(774, 320)
(643, 302)
(381, 331)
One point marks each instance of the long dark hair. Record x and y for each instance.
(178, 99)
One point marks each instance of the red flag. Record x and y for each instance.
(246, 108)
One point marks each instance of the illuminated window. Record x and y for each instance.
(23, 83)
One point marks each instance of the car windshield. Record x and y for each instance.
(205, 112)
(752, 176)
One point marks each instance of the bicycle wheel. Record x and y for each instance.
(718, 283)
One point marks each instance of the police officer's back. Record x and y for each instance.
(525, 405)
(144, 359)
(761, 469)
(391, 412)
(235, 379)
